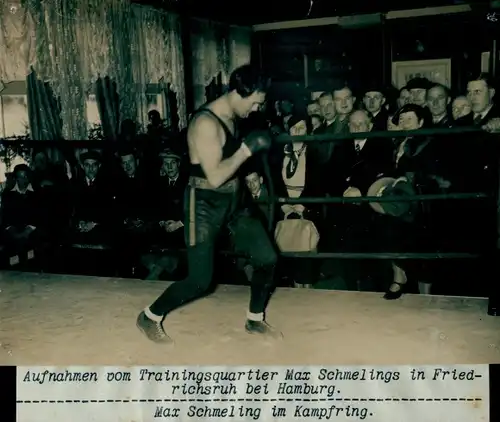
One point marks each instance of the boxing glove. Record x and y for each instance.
(257, 141)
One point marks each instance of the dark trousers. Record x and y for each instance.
(208, 212)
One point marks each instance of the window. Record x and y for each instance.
(93, 117)
(13, 115)
(14, 121)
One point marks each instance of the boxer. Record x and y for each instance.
(216, 154)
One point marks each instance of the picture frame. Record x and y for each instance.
(437, 70)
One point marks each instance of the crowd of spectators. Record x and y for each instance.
(129, 199)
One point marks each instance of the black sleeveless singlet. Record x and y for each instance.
(231, 145)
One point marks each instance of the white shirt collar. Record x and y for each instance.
(438, 119)
(18, 190)
(257, 195)
(360, 142)
(483, 113)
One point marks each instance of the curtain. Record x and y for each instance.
(157, 58)
(58, 60)
(44, 111)
(17, 41)
(240, 46)
(108, 103)
(94, 36)
(217, 50)
(209, 47)
(215, 88)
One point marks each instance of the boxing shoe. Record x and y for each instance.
(262, 328)
(153, 330)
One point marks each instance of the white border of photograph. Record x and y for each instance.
(438, 70)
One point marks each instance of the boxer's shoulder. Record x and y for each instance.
(204, 127)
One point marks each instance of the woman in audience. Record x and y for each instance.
(416, 167)
(295, 174)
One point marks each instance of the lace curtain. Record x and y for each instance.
(157, 57)
(17, 41)
(59, 60)
(209, 44)
(240, 46)
(217, 49)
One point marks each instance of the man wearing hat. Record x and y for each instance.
(417, 88)
(172, 184)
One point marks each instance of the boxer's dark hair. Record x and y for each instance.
(247, 79)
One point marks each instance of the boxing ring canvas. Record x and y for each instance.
(68, 320)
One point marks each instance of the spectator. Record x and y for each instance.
(22, 221)
(92, 203)
(296, 174)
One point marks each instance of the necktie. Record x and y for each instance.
(357, 148)
(477, 119)
(172, 182)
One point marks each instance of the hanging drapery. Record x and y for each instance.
(108, 104)
(209, 44)
(217, 50)
(94, 36)
(157, 57)
(44, 111)
(59, 61)
(121, 61)
(17, 41)
(240, 46)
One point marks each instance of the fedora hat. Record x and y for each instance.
(389, 186)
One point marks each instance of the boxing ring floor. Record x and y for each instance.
(68, 320)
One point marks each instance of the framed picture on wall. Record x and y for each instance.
(435, 70)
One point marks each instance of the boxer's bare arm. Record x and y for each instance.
(205, 140)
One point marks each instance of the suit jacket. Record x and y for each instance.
(92, 203)
(132, 197)
(380, 120)
(360, 169)
(261, 211)
(477, 153)
(325, 149)
(447, 121)
(170, 198)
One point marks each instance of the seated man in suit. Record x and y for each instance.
(22, 218)
(92, 201)
(256, 191)
(168, 215)
(133, 210)
(359, 162)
